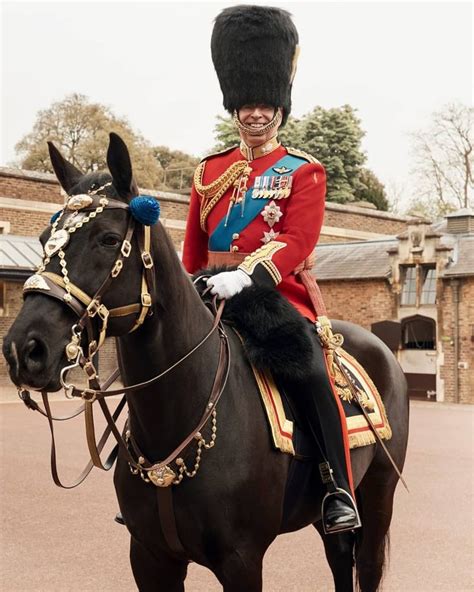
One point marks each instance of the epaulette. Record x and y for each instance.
(302, 154)
(225, 151)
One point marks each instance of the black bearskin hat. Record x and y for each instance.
(254, 50)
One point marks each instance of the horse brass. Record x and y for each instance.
(163, 477)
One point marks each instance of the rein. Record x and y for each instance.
(88, 308)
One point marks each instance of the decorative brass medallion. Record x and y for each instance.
(56, 242)
(163, 477)
(77, 202)
(36, 282)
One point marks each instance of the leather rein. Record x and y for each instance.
(89, 308)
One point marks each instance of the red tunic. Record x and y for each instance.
(294, 235)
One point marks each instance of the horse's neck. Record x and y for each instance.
(162, 415)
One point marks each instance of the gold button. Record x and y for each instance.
(235, 236)
(235, 248)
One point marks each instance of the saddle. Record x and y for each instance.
(277, 340)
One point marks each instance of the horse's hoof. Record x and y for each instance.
(119, 518)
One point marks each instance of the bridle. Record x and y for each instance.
(87, 308)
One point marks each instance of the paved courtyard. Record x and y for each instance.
(53, 540)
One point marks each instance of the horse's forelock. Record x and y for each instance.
(93, 181)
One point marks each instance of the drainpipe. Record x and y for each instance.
(455, 287)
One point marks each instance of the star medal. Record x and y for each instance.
(269, 236)
(271, 213)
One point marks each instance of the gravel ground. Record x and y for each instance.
(53, 540)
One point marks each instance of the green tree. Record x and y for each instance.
(80, 129)
(372, 190)
(226, 134)
(177, 168)
(334, 137)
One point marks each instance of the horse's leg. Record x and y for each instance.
(240, 570)
(339, 550)
(156, 573)
(376, 499)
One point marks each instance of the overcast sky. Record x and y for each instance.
(396, 62)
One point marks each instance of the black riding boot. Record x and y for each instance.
(316, 403)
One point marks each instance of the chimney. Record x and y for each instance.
(461, 221)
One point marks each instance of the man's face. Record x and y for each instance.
(255, 117)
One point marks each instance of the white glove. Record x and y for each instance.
(229, 283)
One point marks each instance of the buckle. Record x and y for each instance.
(117, 268)
(147, 260)
(126, 248)
(88, 395)
(90, 370)
(146, 299)
(93, 308)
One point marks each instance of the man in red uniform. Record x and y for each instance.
(260, 206)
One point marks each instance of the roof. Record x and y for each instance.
(19, 254)
(358, 260)
(462, 257)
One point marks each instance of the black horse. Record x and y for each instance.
(231, 511)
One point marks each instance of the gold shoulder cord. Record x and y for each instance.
(302, 154)
(212, 193)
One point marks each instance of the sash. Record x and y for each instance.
(221, 238)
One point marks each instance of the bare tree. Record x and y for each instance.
(444, 159)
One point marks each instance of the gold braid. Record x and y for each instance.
(212, 193)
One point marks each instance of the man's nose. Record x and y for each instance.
(257, 113)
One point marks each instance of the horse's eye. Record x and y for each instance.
(111, 240)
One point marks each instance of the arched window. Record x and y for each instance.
(418, 332)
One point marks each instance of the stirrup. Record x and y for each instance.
(338, 492)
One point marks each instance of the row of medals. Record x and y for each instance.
(265, 187)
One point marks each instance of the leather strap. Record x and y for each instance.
(99, 393)
(220, 380)
(168, 520)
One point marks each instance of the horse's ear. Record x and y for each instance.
(68, 175)
(120, 167)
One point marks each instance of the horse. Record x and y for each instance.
(236, 503)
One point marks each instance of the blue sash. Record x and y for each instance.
(221, 238)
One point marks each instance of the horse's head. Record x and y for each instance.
(96, 272)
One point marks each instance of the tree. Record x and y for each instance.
(334, 137)
(177, 167)
(80, 129)
(444, 160)
(372, 191)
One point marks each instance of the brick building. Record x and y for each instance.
(409, 281)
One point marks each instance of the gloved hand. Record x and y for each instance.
(229, 283)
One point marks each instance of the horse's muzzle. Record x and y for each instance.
(27, 360)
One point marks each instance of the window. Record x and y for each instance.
(428, 291)
(419, 285)
(409, 287)
(418, 333)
